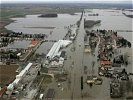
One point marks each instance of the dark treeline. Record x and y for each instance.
(21, 35)
(69, 5)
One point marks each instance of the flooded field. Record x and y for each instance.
(19, 44)
(108, 17)
(25, 24)
(76, 58)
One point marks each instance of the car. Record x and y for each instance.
(90, 79)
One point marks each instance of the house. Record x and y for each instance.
(33, 43)
(105, 62)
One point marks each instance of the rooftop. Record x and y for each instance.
(33, 43)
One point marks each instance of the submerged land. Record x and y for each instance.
(20, 10)
(73, 58)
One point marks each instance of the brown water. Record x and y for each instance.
(25, 24)
(113, 20)
(110, 19)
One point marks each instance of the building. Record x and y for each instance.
(19, 77)
(55, 50)
(33, 43)
(105, 62)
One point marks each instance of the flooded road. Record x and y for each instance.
(72, 90)
(110, 19)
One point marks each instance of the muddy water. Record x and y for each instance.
(25, 24)
(110, 19)
(113, 20)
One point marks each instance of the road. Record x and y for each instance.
(71, 89)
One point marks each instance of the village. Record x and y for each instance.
(77, 66)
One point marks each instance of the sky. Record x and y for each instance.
(112, 1)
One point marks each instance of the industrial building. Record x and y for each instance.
(55, 50)
(19, 77)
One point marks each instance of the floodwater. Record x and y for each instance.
(113, 20)
(25, 24)
(20, 44)
(110, 19)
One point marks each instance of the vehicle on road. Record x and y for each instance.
(94, 80)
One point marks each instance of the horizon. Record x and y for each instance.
(67, 1)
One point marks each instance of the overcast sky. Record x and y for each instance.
(4, 1)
